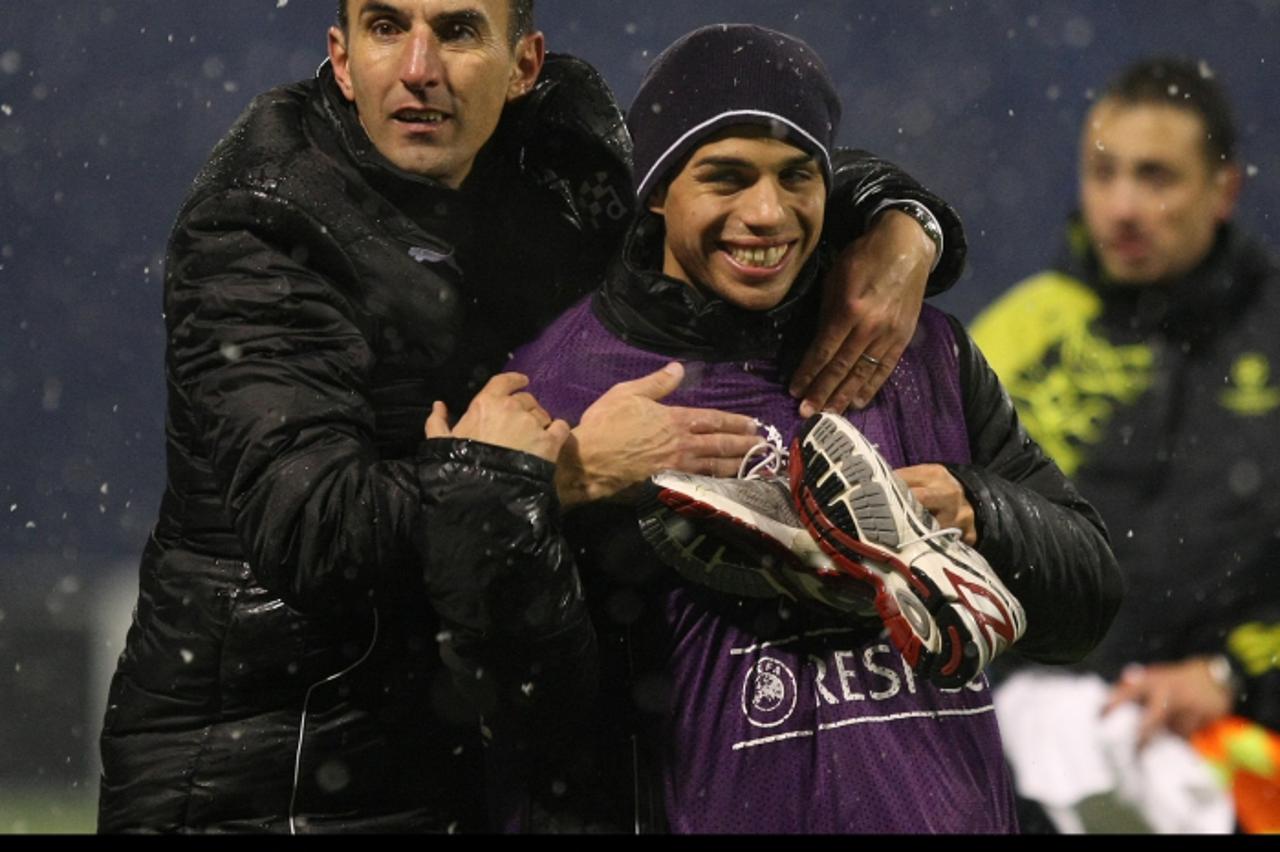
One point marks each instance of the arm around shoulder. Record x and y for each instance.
(864, 184)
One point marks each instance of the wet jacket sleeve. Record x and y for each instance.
(275, 364)
(518, 639)
(1046, 542)
(862, 182)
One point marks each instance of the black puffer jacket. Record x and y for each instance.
(283, 671)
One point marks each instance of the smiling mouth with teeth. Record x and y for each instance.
(761, 257)
(420, 117)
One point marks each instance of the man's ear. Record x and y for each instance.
(530, 53)
(658, 200)
(340, 59)
(1230, 181)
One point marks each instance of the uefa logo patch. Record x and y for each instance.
(768, 693)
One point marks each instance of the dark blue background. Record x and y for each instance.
(107, 110)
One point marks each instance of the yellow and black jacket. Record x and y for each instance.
(1162, 404)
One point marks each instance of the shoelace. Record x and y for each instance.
(945, 532)
(773, 454)
(954, 533)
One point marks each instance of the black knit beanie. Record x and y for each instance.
(724, 75)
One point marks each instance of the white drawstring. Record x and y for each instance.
(302, 723)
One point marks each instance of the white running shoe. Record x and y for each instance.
(946, 610)
(743, 536)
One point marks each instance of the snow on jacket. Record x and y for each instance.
(314, 557)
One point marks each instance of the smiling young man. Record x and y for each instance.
(1147, 363)
(763, 714)
(743, 217)
(356, 261)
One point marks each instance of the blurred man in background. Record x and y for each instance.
(1146, 362)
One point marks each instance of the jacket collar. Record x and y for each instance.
(1188, 309)
(443, 210)
(661, 314)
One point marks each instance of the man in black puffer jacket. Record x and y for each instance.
(358, 258)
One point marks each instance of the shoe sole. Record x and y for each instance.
(859, 488)
(742, 533)
(711, 561)
(841, 482)
(834, 481)
(706, 538)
